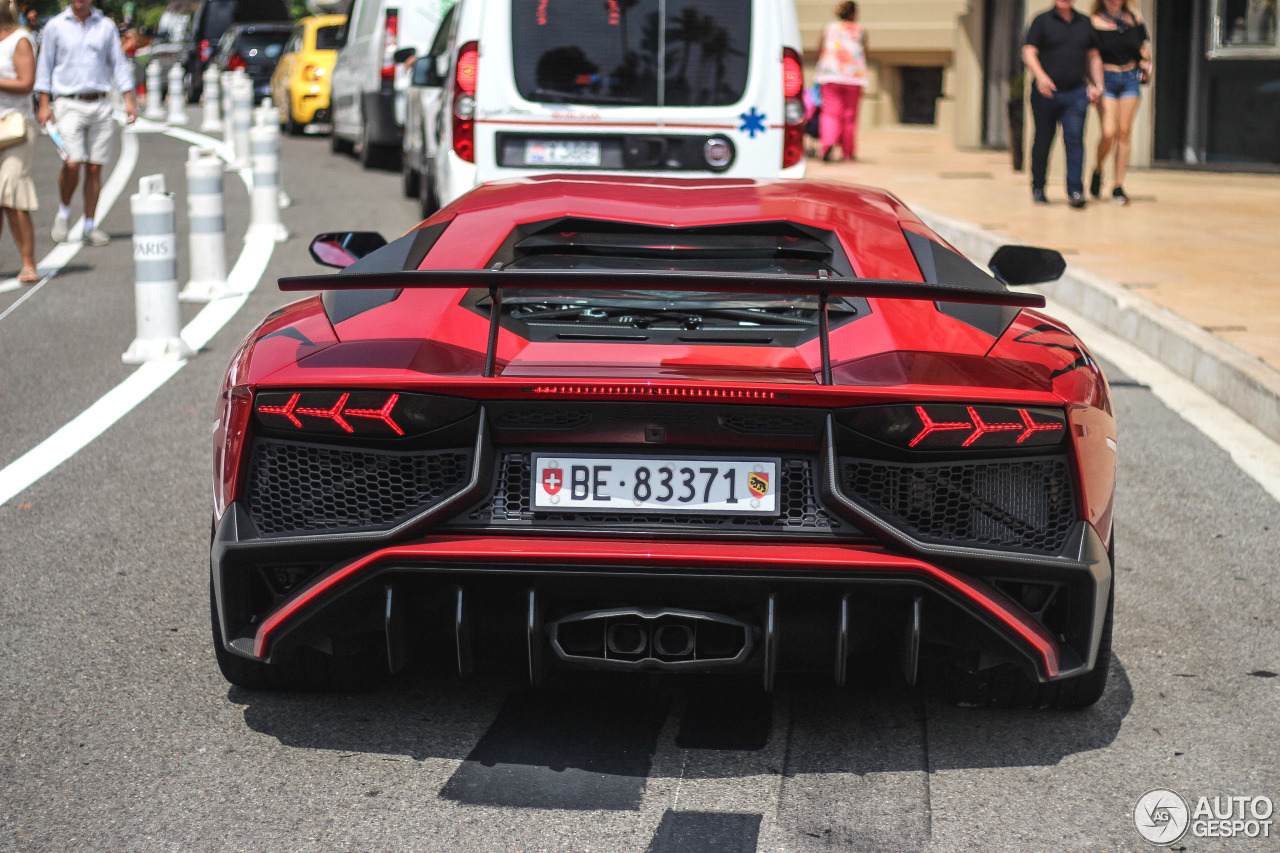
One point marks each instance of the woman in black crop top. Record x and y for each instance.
(1126, 63)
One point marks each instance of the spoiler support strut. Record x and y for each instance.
(823, 286)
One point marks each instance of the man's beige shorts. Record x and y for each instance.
(87, 128)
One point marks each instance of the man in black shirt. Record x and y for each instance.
(1061, 52)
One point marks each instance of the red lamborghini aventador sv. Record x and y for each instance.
(685, 426)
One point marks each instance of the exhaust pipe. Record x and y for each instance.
(673, 640)
(626, 639)
(636, 638)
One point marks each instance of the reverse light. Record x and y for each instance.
(958, 426)
(390, 42)
(464, 102)
(793, 109)
(373, 414)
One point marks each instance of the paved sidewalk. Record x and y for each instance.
(1190, 271)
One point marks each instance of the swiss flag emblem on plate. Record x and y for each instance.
(552, 480)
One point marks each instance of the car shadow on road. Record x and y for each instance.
(587, 741)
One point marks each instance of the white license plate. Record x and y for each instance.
(583, 153)
(655, 484)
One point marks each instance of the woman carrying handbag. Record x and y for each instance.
(17, 136)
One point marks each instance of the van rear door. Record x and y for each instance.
(682, 88)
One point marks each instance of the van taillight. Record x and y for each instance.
(390, 35)
(464, 102)
(236, 63)
(793, 109)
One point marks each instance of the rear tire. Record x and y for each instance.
(410, 178)
(309, 670)
(291, 125)
(339, 145)
(1008, 687)
(374, 156)
(428, 202)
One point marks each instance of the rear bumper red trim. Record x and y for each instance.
(837, 559)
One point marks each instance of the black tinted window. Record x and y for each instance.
(217, 17)
(586, 53)
(608, 53)
(327, 38)
(261, 47)
(707, 51)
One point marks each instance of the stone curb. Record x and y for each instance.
(1242, 382)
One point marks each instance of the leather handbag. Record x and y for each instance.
(13, 129)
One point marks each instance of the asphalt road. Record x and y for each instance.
(119, 734)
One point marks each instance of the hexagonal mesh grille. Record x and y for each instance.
(802, 513)
(1025, 503)
(771, 424)
(305, 488)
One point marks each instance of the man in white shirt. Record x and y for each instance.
(80, 58)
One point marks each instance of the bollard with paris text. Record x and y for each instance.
(155, 262)
(264, 219)
(212, 122)
(155, 93)
(205, 220)
(241, 119)
(177, 96)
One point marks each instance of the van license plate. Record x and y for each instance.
(544, 153)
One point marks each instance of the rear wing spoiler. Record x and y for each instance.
(822, 286)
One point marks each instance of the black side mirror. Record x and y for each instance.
(403, 53)
(425, 73)
(1027, 265)
(341, 249)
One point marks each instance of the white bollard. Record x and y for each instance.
(266, 115)
(212, 101)
(241, 120)
(155, 261)
(208, 239)
(228, 136)
(155, 92)
(177, 96)
(264, 219)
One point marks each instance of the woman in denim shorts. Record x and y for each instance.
(1126, 64)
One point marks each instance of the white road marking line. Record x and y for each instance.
(1252, 451)
(62, 253)
(119, 401)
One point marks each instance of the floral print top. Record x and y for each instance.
(843, 59)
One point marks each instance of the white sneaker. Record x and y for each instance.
(97, 237)
(61, 225)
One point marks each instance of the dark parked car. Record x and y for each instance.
(211, 22)
(255, 49)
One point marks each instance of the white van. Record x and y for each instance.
(366, 115)
(674, 88)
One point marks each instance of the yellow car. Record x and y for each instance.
(300, 84)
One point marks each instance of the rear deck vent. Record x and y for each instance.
(552, 419)
(769, 424)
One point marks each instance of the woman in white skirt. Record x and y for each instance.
(17, 190)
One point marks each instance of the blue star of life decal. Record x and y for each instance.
(752, 122)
